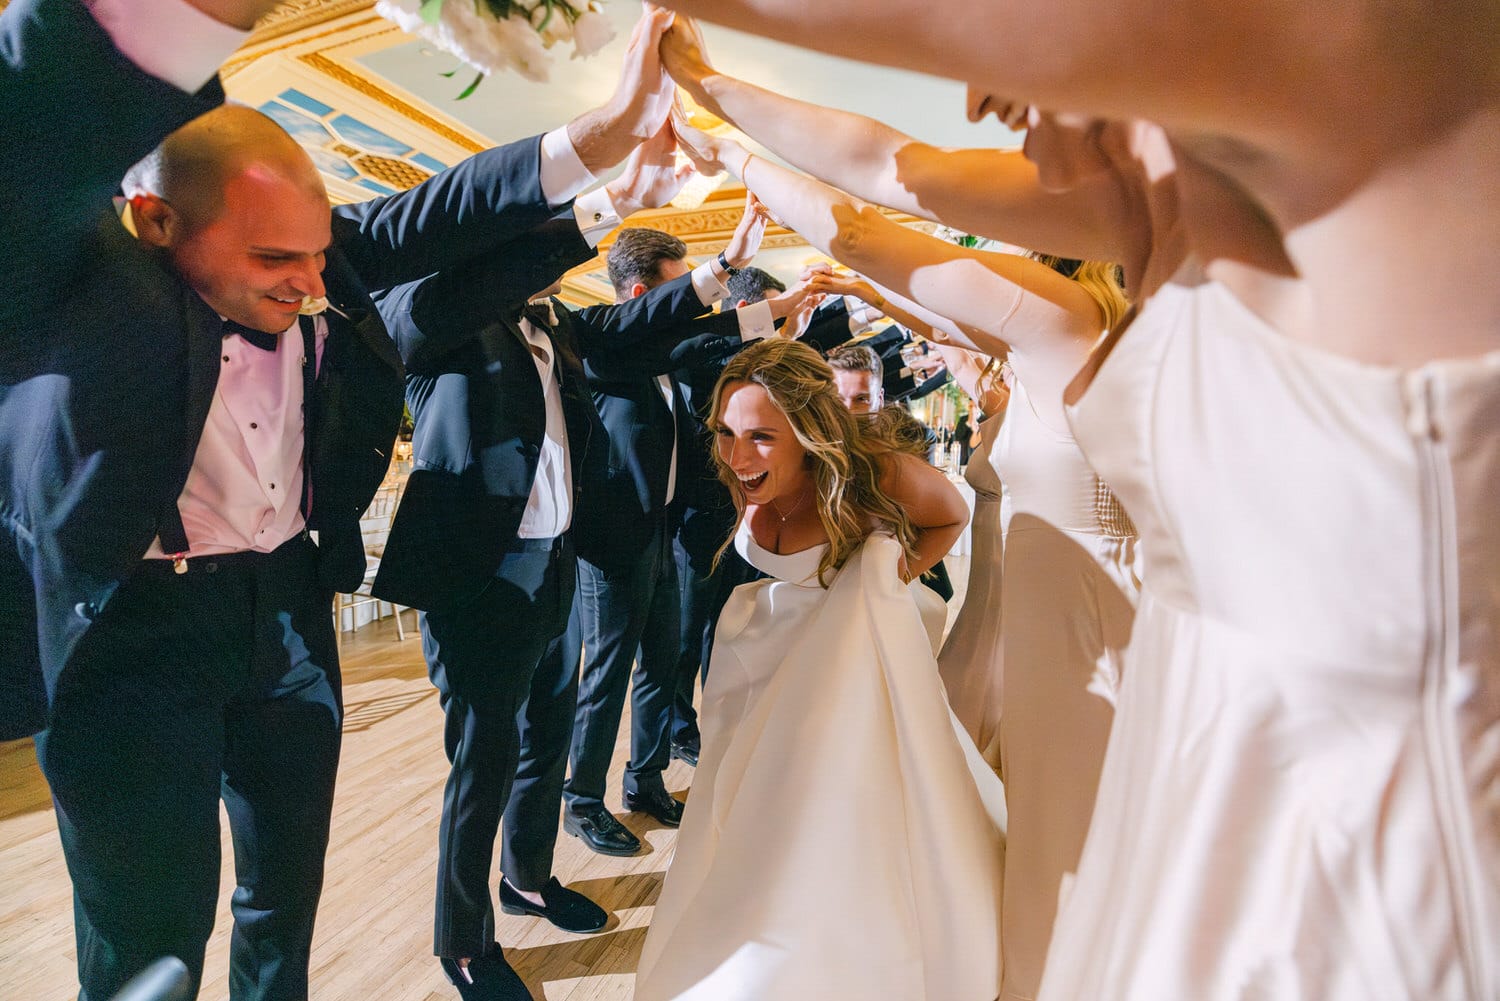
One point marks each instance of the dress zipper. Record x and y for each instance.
(1440, 668)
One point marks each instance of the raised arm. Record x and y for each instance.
(990, 192)
(1261, 71)
(470, 209)
(974, 373)
(667, 308)
(433, 316)
(1037, 312)
(709, 340)
(88, 90)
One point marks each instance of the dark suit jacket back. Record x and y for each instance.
(480, 416)
(642, 428)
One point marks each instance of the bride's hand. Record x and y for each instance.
(697, 145)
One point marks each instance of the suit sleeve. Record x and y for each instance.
(900, 388)
(709, 340)
(78, 115)
(429, 318)
(461, 215)
(613, 328)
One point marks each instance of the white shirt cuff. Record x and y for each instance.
(596, 215)
(170, 39)
(709, 286)
(861, 314)
(563, 172)
(756, 321)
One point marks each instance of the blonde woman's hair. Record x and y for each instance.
(844, 451)
(1102, 280)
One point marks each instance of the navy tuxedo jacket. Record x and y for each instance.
(642, 429)
(108, 362)
(477, 404)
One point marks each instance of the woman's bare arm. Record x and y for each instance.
(990, 192)
(934, 507)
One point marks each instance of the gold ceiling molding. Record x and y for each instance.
(301, 36)
(298, 15)
(367, 87)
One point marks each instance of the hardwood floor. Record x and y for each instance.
(374, 935)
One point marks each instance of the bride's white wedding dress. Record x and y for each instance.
(843, 838)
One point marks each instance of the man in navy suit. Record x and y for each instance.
(507, 446)
(628, 593)
(174, 433)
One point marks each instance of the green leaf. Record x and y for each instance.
(478, 79)
(431, 11)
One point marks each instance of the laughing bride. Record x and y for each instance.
(843, 839)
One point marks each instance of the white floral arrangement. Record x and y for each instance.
(494, 35)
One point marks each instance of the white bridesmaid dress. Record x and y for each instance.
(1301, 795)
(971, 662)
(1069, 599)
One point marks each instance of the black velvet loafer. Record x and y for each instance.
(487, 978)
(568, 909)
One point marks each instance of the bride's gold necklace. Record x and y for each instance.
(784, 517)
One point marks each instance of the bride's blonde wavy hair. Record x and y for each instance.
(845, 451)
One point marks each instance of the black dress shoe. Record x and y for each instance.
(568, 909)
(686, 749)
(489, 978)
(658, 803)
(602, 832)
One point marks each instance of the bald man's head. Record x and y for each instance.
(241, 212)
(190, 167)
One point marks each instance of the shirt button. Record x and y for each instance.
(226, 357)
(273, 486)
(253, 425)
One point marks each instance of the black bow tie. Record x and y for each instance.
(259, 338)
(538, 314)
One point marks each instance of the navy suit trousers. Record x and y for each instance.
(629, 617)
(483, 656)
(220, 683)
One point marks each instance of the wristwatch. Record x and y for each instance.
(729, 269)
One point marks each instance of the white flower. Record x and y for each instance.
(518, 42)
(523, 48)
(591, 32)
(405, 13)
(557, 27)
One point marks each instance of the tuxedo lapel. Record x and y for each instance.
(367, 326)
(204, 343)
